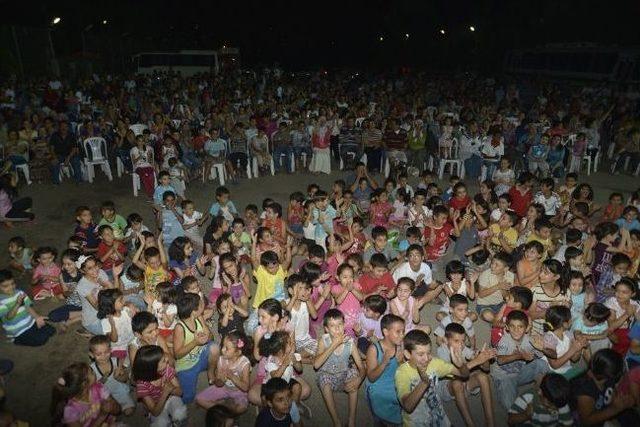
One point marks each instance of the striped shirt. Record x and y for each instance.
(542, 415)
(22, 321)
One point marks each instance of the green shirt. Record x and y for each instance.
(119, 224)
(19, 323)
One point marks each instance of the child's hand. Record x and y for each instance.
(20, 299)
(117, 269)
(630, 310)
(422, 371)
(526, 356)
(40, 321)
(202, 338)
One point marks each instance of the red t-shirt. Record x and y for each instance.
(370, 284)
(459, 204)
(441, 243)
(520, 202)
(103, 248)
(497, 333)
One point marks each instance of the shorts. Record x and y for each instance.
(336, 381)
(443, 391)
(494, 308)
(188, 378)
(218, 393)
(119, 354)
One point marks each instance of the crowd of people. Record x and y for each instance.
(340, 280)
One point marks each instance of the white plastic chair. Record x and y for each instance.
(454, 161)
(256, 170)
(138, 128)
(25, 171)
(217, 168)
(303, 156)
(95, 152)
(135, 178)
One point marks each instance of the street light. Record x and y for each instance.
(406, 35)
(104, 22)
(56, 20)
(442, 32)
(381, 38)
(472, 28)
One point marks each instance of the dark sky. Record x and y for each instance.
(303, 33)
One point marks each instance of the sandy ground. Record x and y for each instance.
(29, 386)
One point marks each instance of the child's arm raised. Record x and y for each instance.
(163, 254)
(255, 261)
(136, 257)
(286, 263)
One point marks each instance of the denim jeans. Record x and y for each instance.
(34, 336)
(472, 167)
(491, 167)
(507, 384)
(125, 158)
(278, 150)
(76, 166)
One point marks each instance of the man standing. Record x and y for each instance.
(281, 140)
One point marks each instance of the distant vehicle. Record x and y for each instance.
(186, 62)
(577, 61)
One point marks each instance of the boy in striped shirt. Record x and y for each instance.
(548, 406)
(22, 324)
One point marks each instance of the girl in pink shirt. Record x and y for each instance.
(78, 400)
(348, 296)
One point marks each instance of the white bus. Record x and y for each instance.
(186, 62)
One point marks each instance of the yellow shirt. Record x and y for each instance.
(546, 243)
(510, 234)
(153, 277)
(269, 285)
(429, 410)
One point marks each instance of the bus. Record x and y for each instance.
(186, 62)
(583, 61)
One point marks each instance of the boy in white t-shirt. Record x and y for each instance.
(419, 272)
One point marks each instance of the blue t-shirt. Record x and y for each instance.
(330, 213)
(623, 223)
(216, 210)
(171, 226)
(159, 191)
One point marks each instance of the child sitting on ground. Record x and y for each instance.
(335, 372)
(478, 380)
(20, 255)
(458, 313)
(549, 405)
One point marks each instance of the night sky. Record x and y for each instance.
(301, 34)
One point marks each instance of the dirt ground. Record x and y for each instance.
(29, 386)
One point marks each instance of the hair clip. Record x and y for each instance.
(62, 382)
(549, 325)
(240, 343)
(81, 260)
